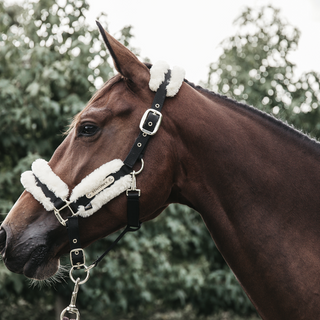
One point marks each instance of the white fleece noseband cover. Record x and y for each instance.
(41, 169)
(94, 180)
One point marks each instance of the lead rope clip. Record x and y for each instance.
(72, 309)
(133, 186)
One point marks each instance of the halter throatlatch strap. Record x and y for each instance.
(77, 257)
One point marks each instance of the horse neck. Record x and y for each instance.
(254, 182)
(226, 150)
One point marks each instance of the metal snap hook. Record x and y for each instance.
(72, 306)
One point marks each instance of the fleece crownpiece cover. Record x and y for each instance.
(41, 170)
(157, 74)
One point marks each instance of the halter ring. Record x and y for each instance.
(87, 270)
(142, 166)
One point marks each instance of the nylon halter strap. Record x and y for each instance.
(104, 183)
(54, 199)
(149, 126)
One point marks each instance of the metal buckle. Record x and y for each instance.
(57, 213)
(60, 219)
(76, 252)
(143, 119)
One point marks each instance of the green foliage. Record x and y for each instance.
(255, 68)
(50, 63)
(171, 263)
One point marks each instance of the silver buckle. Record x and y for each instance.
(57, 212)
(60, 219)
(143, 119)
(78, 265)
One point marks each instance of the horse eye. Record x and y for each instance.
(87, 130)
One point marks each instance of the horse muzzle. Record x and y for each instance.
(27, 255)
(3, 238)
(27, 246)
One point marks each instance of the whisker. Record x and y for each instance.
(58, 277)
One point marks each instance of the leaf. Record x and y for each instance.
(33, 89)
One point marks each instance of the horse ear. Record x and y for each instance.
(126, 63)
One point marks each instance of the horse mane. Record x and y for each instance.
(286, 127)
(303, 137)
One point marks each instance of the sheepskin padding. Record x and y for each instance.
(28, 181)
(44, 173)
(106, 195)
(157, 76)
(94, 180)
(176, 80)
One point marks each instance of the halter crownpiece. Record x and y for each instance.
(157, 76)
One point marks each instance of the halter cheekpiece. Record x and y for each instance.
(106, 182)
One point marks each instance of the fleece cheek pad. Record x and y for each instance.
(97, 178)
(93, 181)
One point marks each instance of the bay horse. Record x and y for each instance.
(253, 179)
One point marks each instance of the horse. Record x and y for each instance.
(252, 178)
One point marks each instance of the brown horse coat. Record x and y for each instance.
(254, 180)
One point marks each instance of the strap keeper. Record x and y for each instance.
(133, 209)
(77, 256)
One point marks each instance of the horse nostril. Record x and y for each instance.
(3, 238)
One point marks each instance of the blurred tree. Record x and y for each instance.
(51, 63)
(255, 68)
(170, 263)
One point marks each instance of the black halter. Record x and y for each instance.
(149, 125)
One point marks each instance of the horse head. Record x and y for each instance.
(31, 238)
